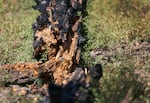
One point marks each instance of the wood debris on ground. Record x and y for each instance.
(57, 46)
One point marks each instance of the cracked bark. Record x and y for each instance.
(57, 33)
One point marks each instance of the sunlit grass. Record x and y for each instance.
(16, 36)
(109, 23)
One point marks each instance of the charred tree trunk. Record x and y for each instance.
(57, 36)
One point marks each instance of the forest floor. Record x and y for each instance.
(118, 37)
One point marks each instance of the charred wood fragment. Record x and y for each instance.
(78, 88)
(19, 73)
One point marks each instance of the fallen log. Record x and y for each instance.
(58, 36)
(57, 33)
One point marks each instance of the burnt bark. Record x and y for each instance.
(58, 36)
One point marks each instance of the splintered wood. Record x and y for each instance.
(19, 73)
(57, 34)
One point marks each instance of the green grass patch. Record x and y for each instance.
(111, 23)
(16, 35)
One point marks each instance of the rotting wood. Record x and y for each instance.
(58, 35)
(19, 73)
